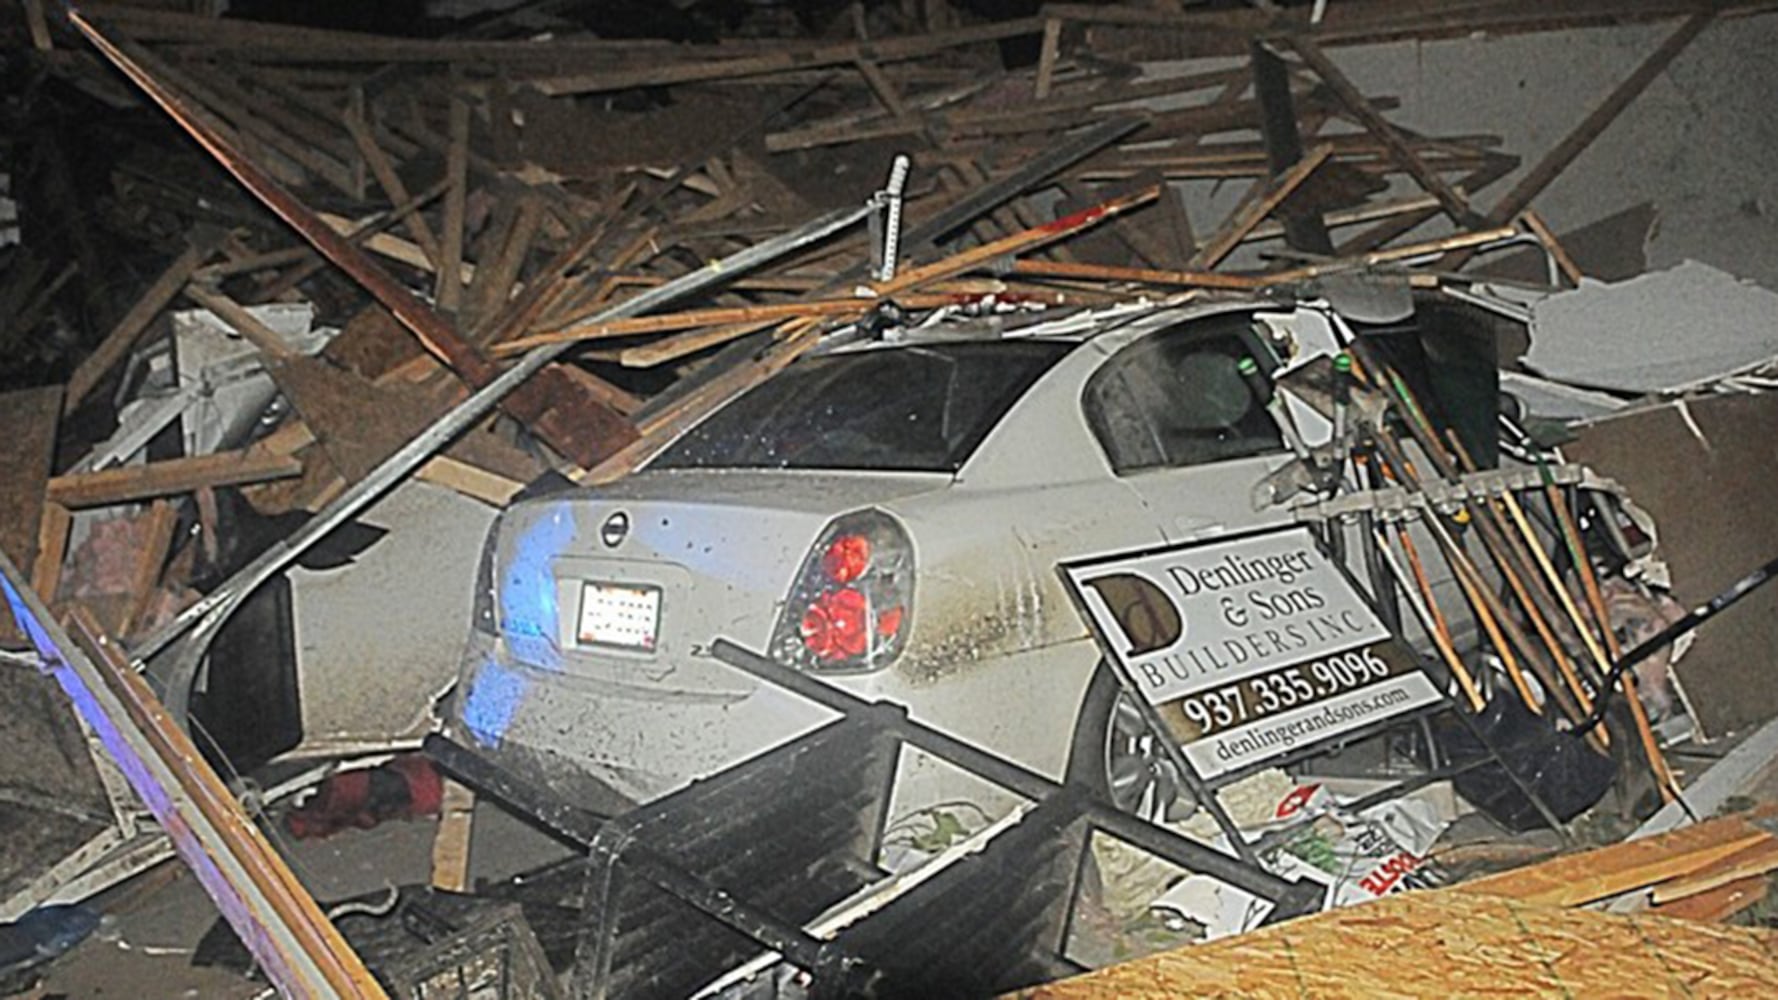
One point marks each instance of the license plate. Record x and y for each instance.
(624, 615)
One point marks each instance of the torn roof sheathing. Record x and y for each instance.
(1447, 943)
(1660, 332)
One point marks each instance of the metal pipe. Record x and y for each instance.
(175, 668)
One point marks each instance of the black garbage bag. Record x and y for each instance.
(1559, 766)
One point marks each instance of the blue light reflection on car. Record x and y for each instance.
(494, 695)
(529, 614)
(529, 619)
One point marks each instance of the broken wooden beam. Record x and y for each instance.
(291, 940)
(1259, 203)
(117, 343)
(1578, 879)
(79, 490)
(555, 407)
(1454, 205)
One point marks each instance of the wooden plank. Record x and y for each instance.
(1141, 275)
(391, 246)
(176, 475)
(1559, 253)
(1719, 904)
(715, 316)
(493, 288)
(471, 481)
(280, 923)
(1577, 879)
(1597, 121)
(240, 319)
(1454, 204)
(52, 550)
(883, 88)
(117, 343)
(1047, 57)
(1759, 859)
(450, 843)
(27, 447)
(1260, 201)
(448, 290)
(162, 517)
(383, 169)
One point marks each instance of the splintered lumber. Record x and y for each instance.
(1447, 943)
(1261, 200)
(175, 475)
(1139, 275)
(1758, 859)
(240, 319)
(1454, 204)
(123, 336)
(563, 414)
(393, 247)
(1597, 121)
(1577, 879)
(1719, 904)
(292, 941)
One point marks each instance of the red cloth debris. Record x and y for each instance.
(407, 787)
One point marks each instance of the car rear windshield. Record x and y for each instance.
(919, 409)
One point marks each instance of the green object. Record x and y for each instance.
(1343, 363)
(1247, 366)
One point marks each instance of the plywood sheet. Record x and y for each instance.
(1448, 943)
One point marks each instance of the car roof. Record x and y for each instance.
(1120, 321)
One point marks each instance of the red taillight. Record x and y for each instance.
(846, 558)
(849, 607)
(834, 627)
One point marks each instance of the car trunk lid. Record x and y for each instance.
(626, 584)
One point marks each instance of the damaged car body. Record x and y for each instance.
(888, 515)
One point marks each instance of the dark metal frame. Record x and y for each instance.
(725, 889)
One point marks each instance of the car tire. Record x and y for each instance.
(1117, 756)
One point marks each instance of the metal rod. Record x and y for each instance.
(1019, 779)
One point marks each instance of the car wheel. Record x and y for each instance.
(1116, 754)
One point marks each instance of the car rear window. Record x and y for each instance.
(918, 409)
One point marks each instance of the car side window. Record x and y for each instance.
(1176, 398)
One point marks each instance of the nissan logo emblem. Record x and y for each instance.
(615, 529)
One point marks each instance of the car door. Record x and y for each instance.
(1186, 428)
